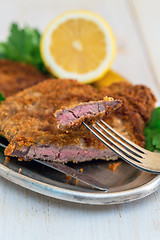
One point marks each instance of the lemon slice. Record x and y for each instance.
(109, 78)
(79, 45)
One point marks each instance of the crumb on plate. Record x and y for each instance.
(113, 166)
(19, 170)
(7, 160)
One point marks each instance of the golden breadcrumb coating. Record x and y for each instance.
(16, 76)
(28, 119)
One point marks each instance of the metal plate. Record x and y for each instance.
(125, 184)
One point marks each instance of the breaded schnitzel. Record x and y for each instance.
(16, 76)
(27, 120)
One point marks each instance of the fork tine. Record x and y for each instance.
(134, 151)
(117, 146)
(138, 148)
(119, 153)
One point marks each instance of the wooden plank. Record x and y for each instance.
(28, 215)
(33, 216)
(148, 15)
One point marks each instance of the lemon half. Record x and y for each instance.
(78, 45)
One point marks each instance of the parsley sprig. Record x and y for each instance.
(1, 98)
(23, 45)
(152, 131)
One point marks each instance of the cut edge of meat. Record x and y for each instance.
(63, 155)
(92, 111)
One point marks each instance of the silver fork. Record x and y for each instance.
(124, 148)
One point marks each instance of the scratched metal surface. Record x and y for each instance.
(30, 215)
(125, 184)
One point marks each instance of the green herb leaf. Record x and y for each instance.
(152, 131)
(1, 97)
(155, 119)
(23, 45)
(156, 140)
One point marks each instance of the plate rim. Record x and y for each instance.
(100, 198)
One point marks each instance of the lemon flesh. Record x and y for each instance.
(79, 45)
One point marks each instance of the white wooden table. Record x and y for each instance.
(27, 215)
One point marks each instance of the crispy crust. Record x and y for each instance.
(28, 118)
(138, 104)
(16, 76)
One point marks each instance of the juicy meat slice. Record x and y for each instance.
(16, 76)
(65, 154)
(27, 120)
(92, 111)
